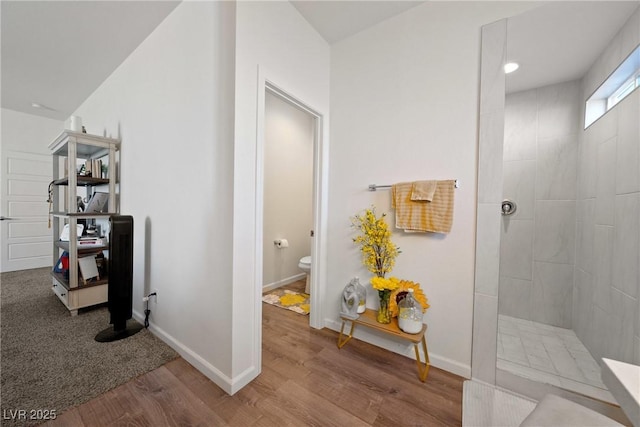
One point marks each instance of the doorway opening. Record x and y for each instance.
(290, 196)
(288, 203)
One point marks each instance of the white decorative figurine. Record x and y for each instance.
(350, 301)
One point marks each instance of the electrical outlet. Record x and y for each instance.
(152, 297)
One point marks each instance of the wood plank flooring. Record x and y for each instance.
(305, 380)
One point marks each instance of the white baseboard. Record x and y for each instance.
(229, 385)
(285, 281)
(436, 360)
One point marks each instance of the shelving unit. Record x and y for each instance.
(73, 146)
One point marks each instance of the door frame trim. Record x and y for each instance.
(320, 199)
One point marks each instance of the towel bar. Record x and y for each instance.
(374, 187)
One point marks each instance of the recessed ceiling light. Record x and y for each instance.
(41, 106)
(510, 67)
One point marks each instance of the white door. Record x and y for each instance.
(26, 238)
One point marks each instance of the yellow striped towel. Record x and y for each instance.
(435, 216)
(423, 190)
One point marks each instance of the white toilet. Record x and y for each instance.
(305, 265)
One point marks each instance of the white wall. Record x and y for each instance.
(28, 133)
(404, 105)
(276, 43)
(171, 103)
(606, 295)
(288, 187)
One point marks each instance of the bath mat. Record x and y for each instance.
(290, 300)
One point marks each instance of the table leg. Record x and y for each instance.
(423, 369)
(343, 341)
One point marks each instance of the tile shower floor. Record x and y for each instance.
(548, 354)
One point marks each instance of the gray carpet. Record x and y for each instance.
(50, 360)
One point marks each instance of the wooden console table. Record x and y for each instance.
(368, 319)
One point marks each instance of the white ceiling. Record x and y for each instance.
(56, 53)
(337, 20)
(559, 41)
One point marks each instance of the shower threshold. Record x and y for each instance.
(550, 355)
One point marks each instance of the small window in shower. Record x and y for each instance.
(624, 80)
(624, 90)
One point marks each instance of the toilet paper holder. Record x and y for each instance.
(281, 243)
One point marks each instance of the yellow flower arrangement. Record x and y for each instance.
(382, 284)
(378, 255)
(378, 252)
(404, 286)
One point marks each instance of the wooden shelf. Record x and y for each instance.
(368, 318)
(83, 180)
(87, 145)
(83, 250)
(82, 215)
(65, 282)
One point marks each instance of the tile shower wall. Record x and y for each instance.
(606, 315)
(537, 252)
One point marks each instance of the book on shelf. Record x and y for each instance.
(90, 242)
(62, 266)
(93, 168)
(88, 268)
